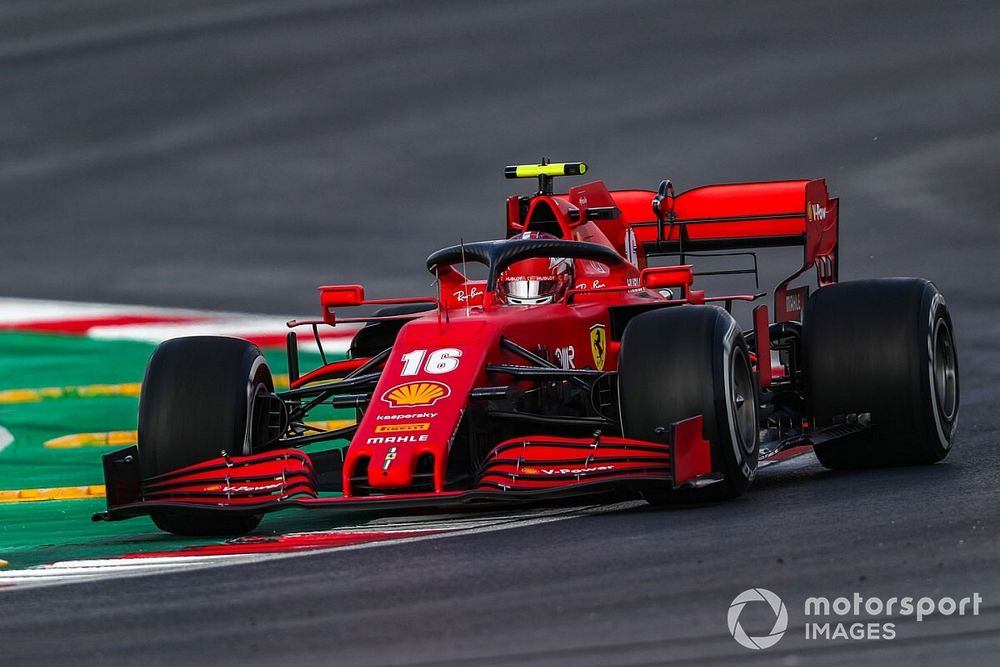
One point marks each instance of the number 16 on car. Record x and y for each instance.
(437, 362)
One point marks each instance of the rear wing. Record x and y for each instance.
(725, 218)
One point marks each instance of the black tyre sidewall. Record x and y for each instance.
(936, 421)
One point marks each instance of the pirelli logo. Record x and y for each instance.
(402, 428)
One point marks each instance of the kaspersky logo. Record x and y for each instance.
(757, 596)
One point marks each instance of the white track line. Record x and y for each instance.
(15, 312)
(69, 572)
(337, 340)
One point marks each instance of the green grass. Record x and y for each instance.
(38, 532)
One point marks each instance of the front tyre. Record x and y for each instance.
(685, 361)
(197, 401)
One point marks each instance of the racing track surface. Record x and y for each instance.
(235, 155)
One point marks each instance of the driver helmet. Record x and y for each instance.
(536, 281)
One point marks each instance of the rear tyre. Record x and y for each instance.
(198, 400)
(884, 348)
(685, 361)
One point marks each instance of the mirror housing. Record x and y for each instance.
(339, 296)
(663, 277)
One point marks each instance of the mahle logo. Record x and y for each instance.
(780, 618)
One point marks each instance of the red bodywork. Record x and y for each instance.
(444, 360)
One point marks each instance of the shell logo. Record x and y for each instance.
(416, 394)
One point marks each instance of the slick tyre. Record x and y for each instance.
(883, 348)
(684, 361)
(198, 400)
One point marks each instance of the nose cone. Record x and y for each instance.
(418, 404)
(393, 463)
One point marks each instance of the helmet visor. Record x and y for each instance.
(530, 287)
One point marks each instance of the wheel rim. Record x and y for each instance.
(945, 367)
(744, 401)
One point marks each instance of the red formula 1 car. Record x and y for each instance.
(575, 367)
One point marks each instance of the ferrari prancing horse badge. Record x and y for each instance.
(599, 345)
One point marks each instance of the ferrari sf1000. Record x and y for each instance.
(585, 363)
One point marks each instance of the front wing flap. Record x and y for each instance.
(525, 469)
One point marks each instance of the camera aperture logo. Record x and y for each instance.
(758, 595)
(855, 618)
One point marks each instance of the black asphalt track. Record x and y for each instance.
(235, 155)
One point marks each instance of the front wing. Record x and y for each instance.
(526, 469)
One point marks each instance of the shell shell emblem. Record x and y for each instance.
(416, 394)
